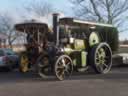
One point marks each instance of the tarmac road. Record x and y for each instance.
(113, 84)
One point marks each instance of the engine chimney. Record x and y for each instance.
(55, 28)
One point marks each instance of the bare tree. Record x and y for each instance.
(105, 11)
(39, 7)
(7, 27)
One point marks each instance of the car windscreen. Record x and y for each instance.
(9, 52)
(1, 53)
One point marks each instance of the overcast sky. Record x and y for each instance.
(61, 5)
(12, 6)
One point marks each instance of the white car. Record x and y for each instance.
(125, 57)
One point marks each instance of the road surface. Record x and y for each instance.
(89, 84)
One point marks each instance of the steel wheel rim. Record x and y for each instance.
(103, 59)
(63, 67)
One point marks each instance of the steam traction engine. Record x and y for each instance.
(72, 46)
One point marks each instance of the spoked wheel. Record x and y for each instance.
(101, 58)
(24, 63)
(43, 66)
(63, 67)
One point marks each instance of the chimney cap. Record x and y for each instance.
(55, 14)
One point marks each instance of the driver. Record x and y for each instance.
(29, 38)
(32, 47)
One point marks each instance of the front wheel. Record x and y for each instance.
(63, 67)
(101, 58)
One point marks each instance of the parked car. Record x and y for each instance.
(8, 58)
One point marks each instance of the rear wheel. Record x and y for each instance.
(43, 68)
(63, 67)
(101, 58)
(24, 63)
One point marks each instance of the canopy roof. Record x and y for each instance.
(72, 21)
(29, 26)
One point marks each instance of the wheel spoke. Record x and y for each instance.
(60, 64)
(60, 67)
(106, 65)
(67, 71)
(59, 72)
(101, 67)
(68, 63)
(97, 61)
(63, 61)
(62, 75)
